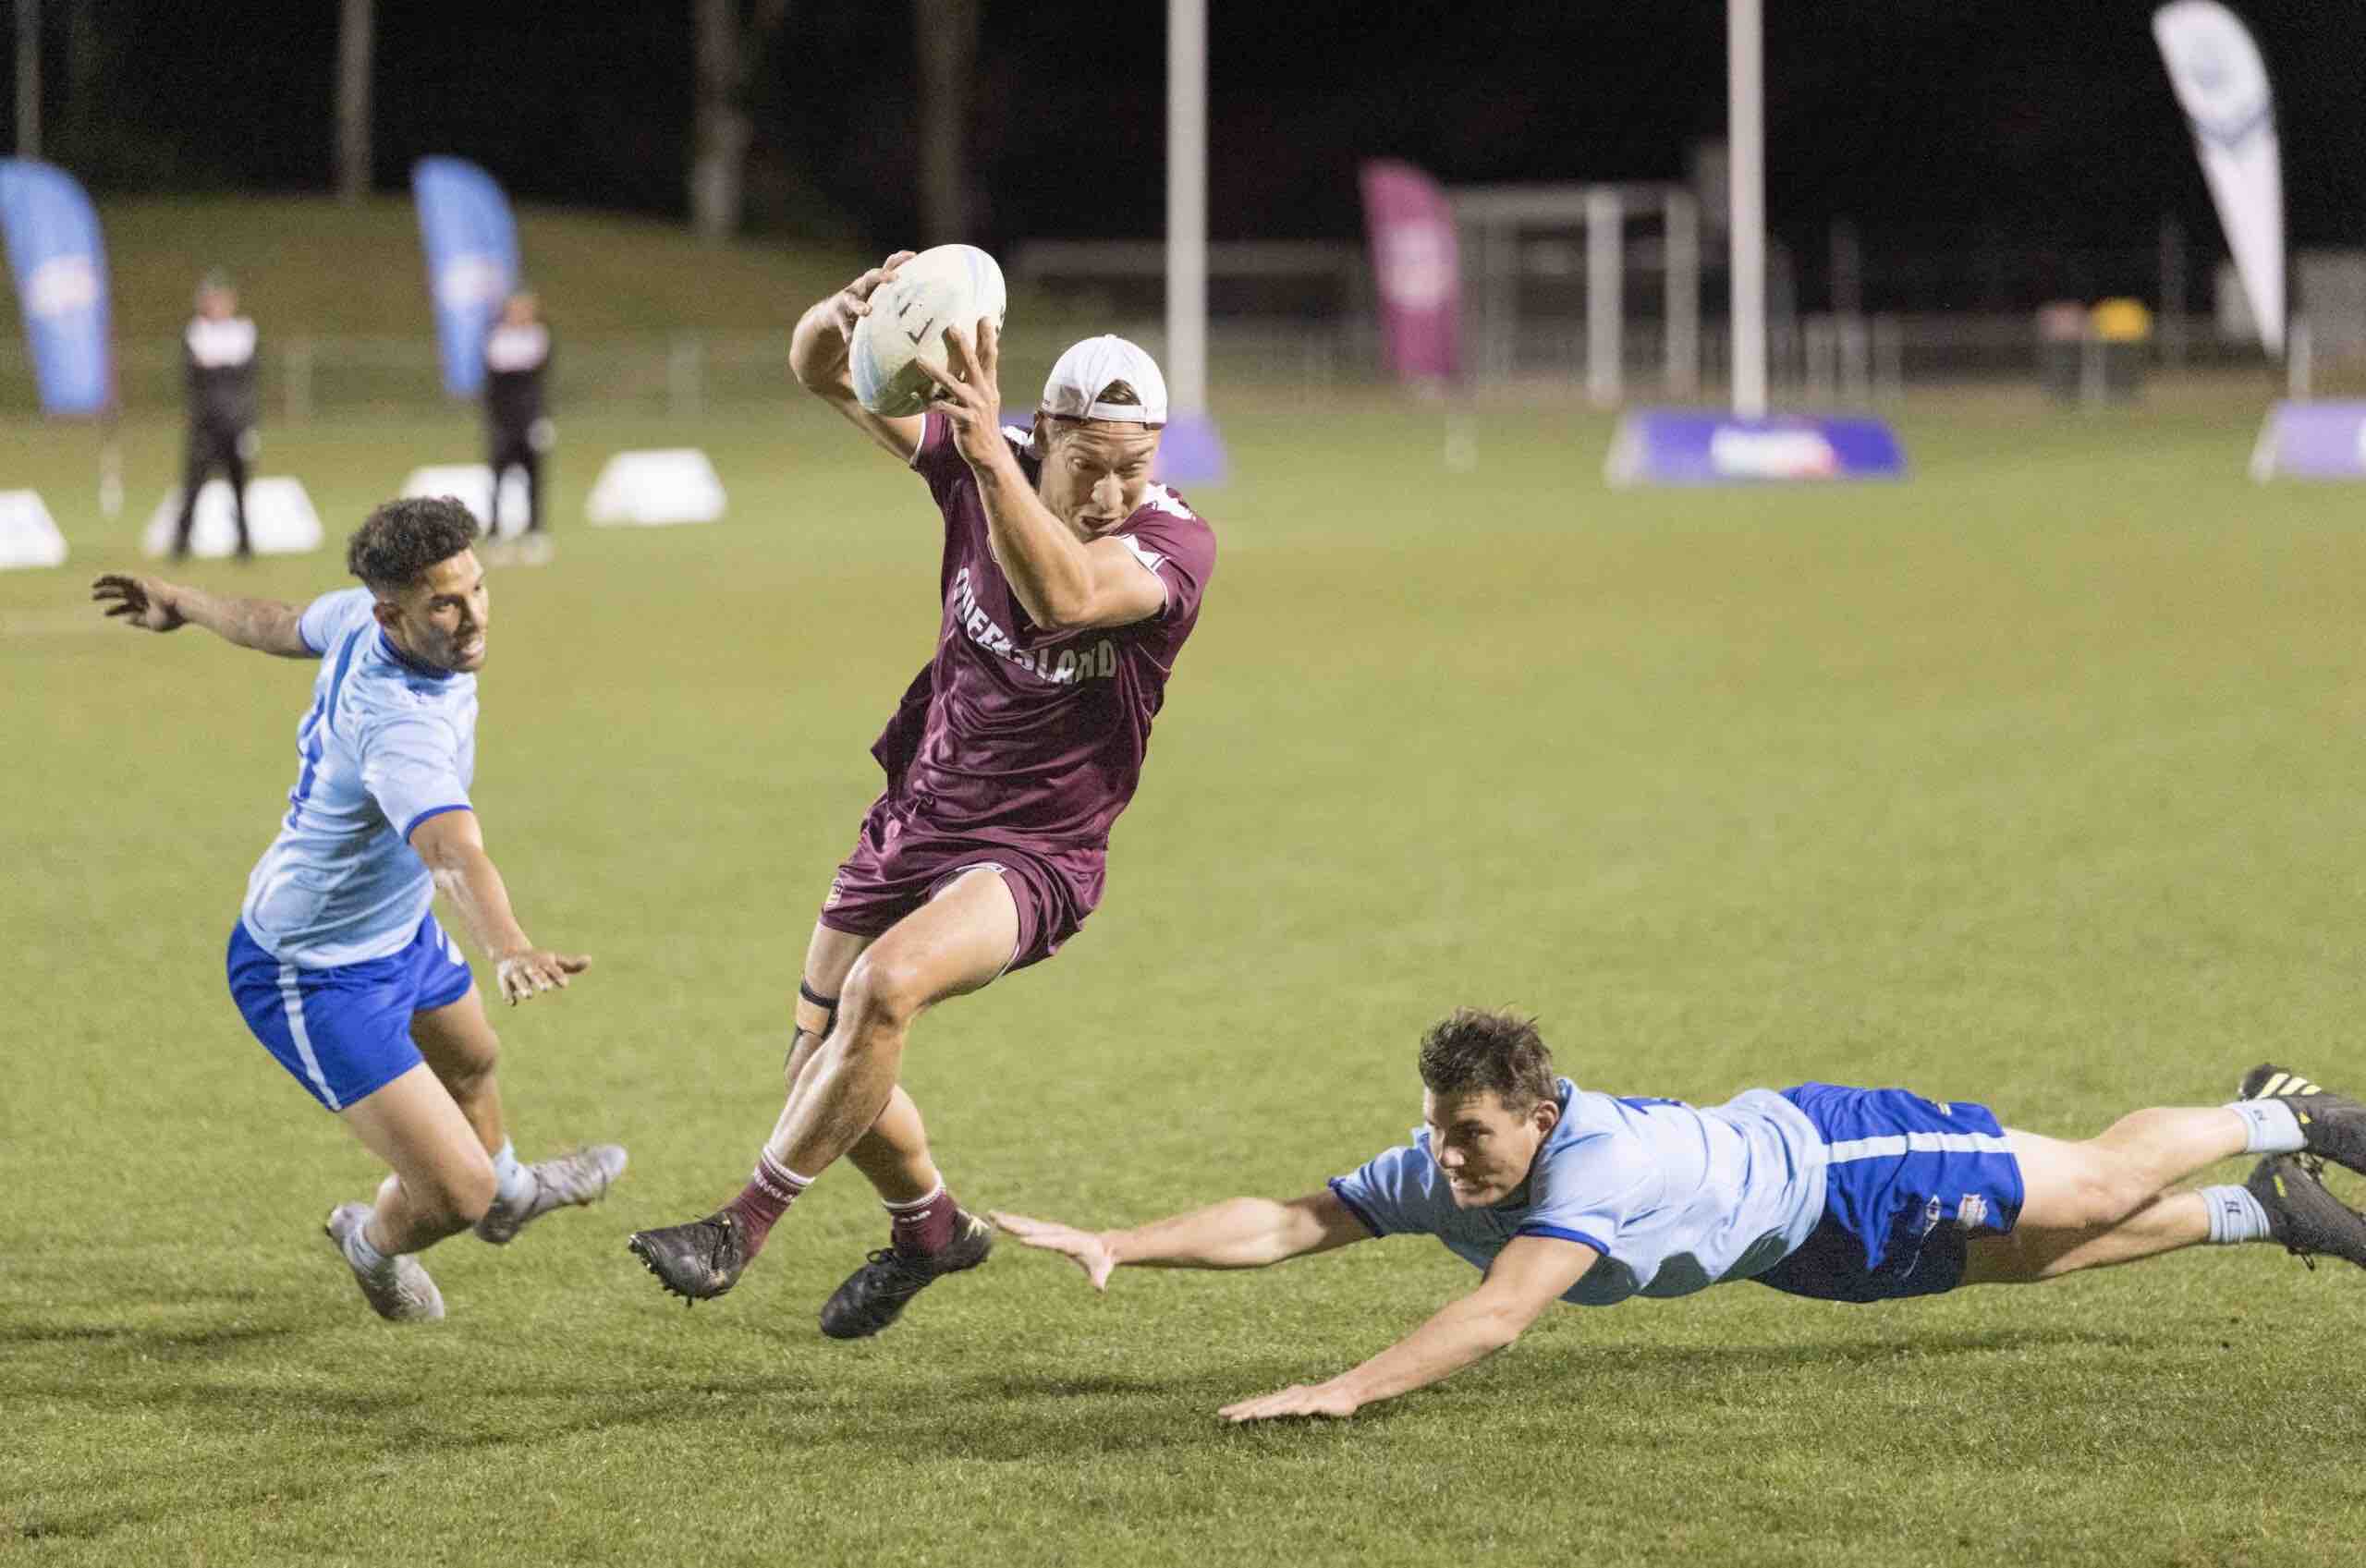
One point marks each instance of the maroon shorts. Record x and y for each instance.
(901, 862)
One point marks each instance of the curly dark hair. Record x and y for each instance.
(1473, 1049)
(397, 543)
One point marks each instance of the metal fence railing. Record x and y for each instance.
(684, 374)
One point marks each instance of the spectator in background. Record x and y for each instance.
(518, 428)
(219, 351)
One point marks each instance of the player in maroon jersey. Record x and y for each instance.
(1069, 583)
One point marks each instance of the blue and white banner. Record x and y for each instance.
(471, 246)
(2222, 84)
(61, 268)
(1690, 446)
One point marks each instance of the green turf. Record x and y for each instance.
(2032, 780)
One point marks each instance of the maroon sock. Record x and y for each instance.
(922, 1227)
(771, 1188)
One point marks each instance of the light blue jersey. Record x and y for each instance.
(386, 743)
(1675, 1198)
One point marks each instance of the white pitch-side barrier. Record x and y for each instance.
(280, 519)
(471, 484)
(29, 535)
(655, 489)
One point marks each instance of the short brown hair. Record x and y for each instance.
(1474, 1048)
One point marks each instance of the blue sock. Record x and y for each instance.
(2270, 1126)
(2234, 1216)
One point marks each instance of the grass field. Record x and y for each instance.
(2031, 781)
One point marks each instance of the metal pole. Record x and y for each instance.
(1187, 206)
(1606, 260)
(685, 352)
(28, 78)
(299, 363)
(1746, 131)
(2172, 289)
(1683, 294)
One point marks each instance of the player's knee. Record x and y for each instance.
(467, 1076)
(2111, 1188)
(884, 989)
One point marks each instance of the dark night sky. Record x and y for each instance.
(1932, 122)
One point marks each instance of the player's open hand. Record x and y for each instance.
(528, 973)
(852, 303)
(1320, 1401)
(1089, 1251)
(145, 603)
(970, 390)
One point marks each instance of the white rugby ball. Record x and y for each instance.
(949, 286)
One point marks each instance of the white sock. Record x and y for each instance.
(2234, 1216)
(365, 1258)
(910, 1204)
(2270, 1126)
(512, 1182)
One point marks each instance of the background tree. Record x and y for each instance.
(357, 26)
(946, 35)
(730, 43)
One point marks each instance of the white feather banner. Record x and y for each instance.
(2222, 84)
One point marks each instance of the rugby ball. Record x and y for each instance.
(949, 286)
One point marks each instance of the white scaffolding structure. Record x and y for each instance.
(1509, 238)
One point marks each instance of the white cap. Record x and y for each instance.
(1087, 368)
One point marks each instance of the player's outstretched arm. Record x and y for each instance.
(1528, 1275)
(817, 357)
(453, 847)
(153, 605)
(1241, 1233)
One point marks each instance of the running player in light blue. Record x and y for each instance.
(335, 962)
(1841, 1194)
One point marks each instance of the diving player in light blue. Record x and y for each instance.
(1841, 1194)
(336, 962)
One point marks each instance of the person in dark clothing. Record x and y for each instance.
(219, 351)
(518, 425)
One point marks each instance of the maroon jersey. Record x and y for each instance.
(1016, 734)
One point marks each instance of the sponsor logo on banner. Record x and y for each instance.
(469, 282)
(62, 286)
(1737, 452)
(2221, 81)
(1416, 266)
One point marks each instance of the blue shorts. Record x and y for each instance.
(345, 1032)
(1906, 1180)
